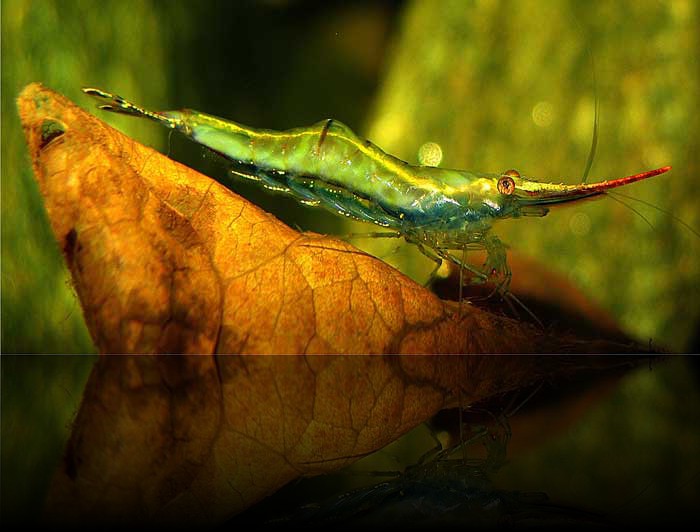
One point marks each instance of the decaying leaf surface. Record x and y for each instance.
(164, 259)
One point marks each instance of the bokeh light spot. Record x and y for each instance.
(430, 154)
(543, 114)
(580, 224)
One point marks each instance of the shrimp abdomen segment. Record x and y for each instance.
(324, 164)
(328, 151)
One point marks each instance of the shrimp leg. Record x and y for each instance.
(432, 255)
(351, 236)
(496, 265)
(480, 276)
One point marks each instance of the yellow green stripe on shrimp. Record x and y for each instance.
(327, 165)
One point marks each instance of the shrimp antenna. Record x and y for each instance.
(635, 211)
(663, 211)
(594, 140)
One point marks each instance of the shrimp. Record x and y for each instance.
(438, 210)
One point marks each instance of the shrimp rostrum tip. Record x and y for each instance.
(327, 165)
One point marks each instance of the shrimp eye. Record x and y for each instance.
(506, 185)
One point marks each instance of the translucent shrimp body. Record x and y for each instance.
(327, 165)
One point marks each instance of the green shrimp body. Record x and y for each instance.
(328, 165)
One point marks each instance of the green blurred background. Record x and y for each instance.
(496, 84)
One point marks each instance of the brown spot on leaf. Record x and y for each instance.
(69, 244)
